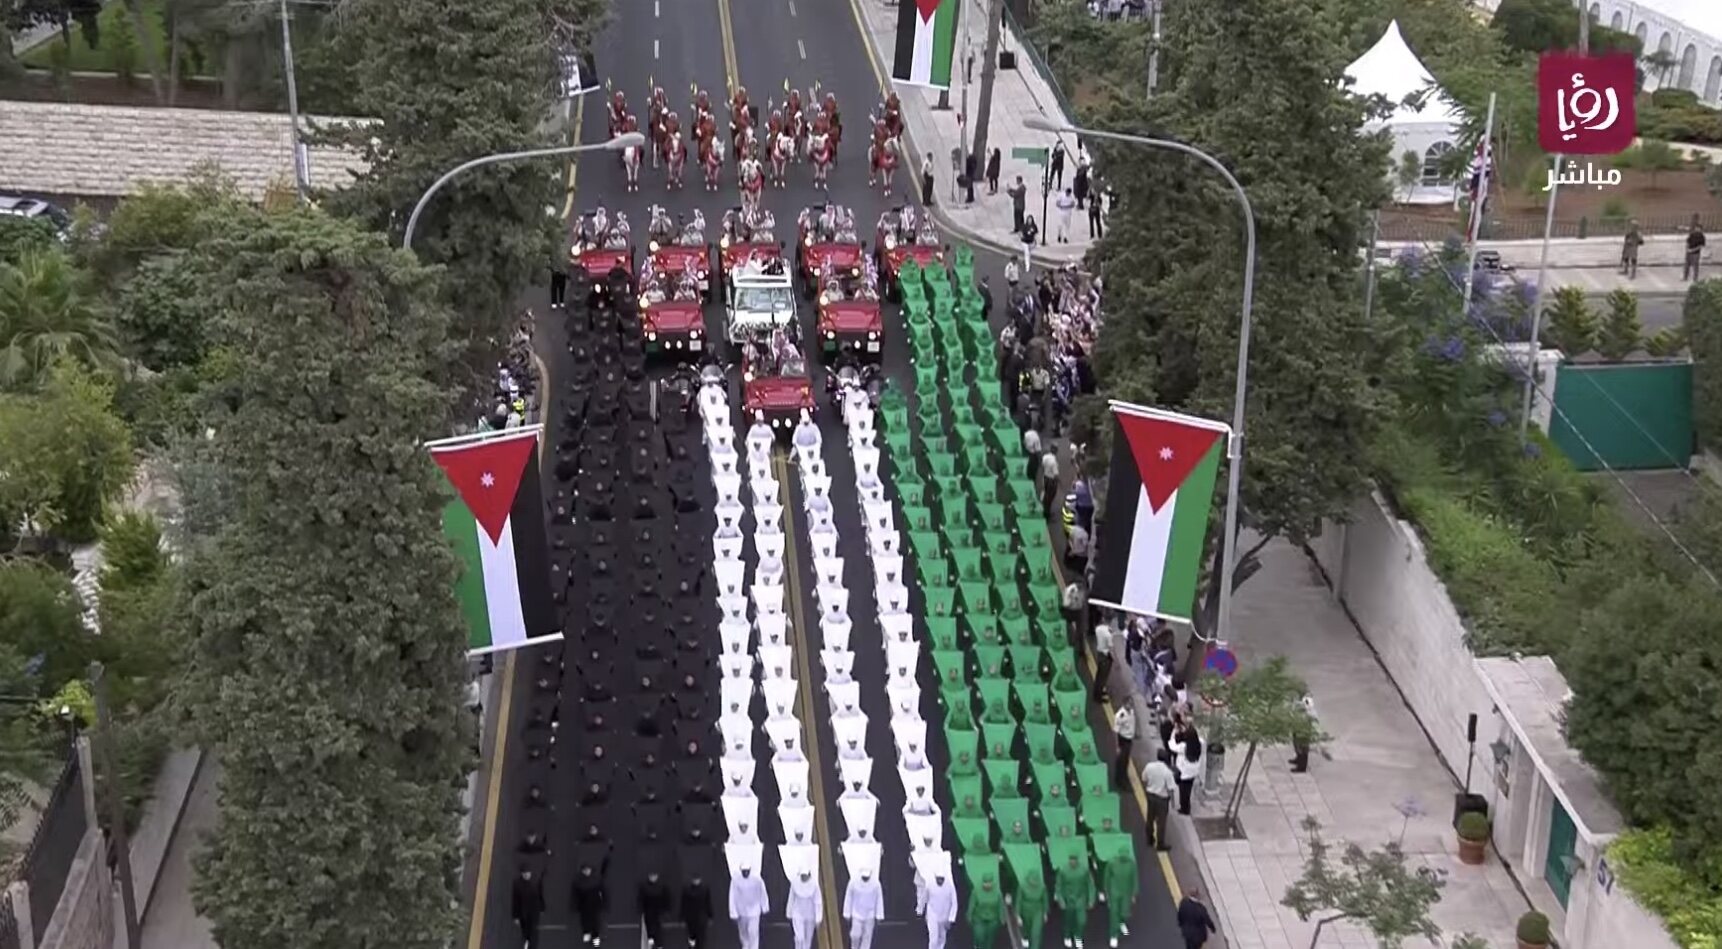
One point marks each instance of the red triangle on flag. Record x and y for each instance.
(486, 475)
(1166, 450)
(927, 8)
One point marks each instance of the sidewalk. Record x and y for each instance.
(1017, 93)
(171, 922)
(1377, 767)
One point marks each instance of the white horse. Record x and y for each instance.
(752, 182)
(631, 158)
(820, 152)
(782, 148)
(676, 162)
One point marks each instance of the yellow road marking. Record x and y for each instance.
(487, 849)
(574, 162)
(830, 931)
(732, 72)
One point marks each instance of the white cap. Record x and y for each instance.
(933, 865)
(926, 831)
(743, 856)
(862, 859)
(739, 813)
(797, 823)
(799, 860)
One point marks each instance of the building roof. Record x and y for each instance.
(108, 151)
(1391, 70)
(1531, 695)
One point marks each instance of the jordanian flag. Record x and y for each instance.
(926, 42)
(1157, 499)
(496, 526)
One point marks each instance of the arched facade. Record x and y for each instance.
(1696, 51)
(1434, 176)
(1713, 81)
(1616, 21)
(1688, 66)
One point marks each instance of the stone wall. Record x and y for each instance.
(85, 916)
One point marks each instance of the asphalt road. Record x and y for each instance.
(677, 44)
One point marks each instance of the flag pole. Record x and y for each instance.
(1479, 198)
(520, 431)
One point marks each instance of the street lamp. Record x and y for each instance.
(1235, 450)
(624, 140)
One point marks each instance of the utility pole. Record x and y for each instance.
(989, 67)
(1154, 51)
(116, 810)
(301, 174)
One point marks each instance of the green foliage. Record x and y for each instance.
(1622, 331)
(66, 455)
(1702, 323)
(340, 804)
(47, 313)
(450, 82)
(132, 554)
(1652, 156)
(1263, 705)
(1174, 264)
(1616, 209)
(1410, 169)
(1645, 862)
(1376, 890)
(122, 43)
(161, 314)
(1534, 929)
(1572, 325)
(1665, 343)
(1473, 825)
(1536, 26)
(1676, 115)
(161, 219)
(40, 619)
(1095, 61)
(21, 235)
(1469, 941)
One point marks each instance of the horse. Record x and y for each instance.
(748, 146)
(675, 162)
(821, 152)
(882, 163)
(782, 149)
(752, 182)
(660, 135)
(711, 159)
(631, 166)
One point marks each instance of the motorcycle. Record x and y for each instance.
(867, 379)
(677, 391)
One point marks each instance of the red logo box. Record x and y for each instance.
(1585, 103)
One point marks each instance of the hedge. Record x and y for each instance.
(1644, 862)
(1703, 324)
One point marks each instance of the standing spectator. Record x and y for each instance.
(1300, 738)
(558, 283)
(1066, 206)
(1048, 481)
(927, 181)
(1080, 184)
(1055, 171)
(971, 165)
(1194, 923)
(1102, 659)
(986, 299)
(1075, 603)
(1012, 274)
(1076, 548)
(1031, 448)
(1030, 234)
(1124, 725)
(1159, 783)
(1018, 203)
(1694, 250)
(1186, 748)
(1629, 246)
(993, 172)
(1096, 225)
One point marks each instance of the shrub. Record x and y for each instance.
(1702, 323)
(1572, 324)
(1622, 332)
(1665, 343)
(131, 552)
(1534, 929)
(1644, 861)
(1473, 825)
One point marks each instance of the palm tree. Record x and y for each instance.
(1661, 64)
(45, 314)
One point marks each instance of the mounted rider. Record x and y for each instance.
(618, 112)
(834, 118)
(892, 115)
(656, 110)
(795, 121)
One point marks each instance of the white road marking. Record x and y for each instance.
(654, 49)
(803, 49)
(792, 7)
(657, 10)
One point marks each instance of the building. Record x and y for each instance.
(1423, 122)
(1689, 30)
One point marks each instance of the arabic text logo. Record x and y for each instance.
(1575, 176)
(1585, 103)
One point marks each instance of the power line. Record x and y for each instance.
(1555, 410)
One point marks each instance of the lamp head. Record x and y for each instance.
(625, 140)
(1041, 123)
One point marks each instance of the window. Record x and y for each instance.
(1713, 82)
(1688, 66)
(763, 299)
(1434, 176)
(1615, 22)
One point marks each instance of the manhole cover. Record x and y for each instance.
(1218, 828)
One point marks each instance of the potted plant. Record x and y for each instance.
(1473, 837)
(1533, 931)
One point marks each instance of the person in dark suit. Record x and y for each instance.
(528, 905)
(1194, 923)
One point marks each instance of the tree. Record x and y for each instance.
(1701, 321)
(1374, 889)
(326, 650)
(1409, 170)
(41, 620)
(67, 455)
(1174, 263)
(19, 235)
(141, 612)
(1261, 705)
(1537, 26)
(1652, 157)
(1572, 325)
(161, 316)
(132, 556)
(46, 315)
(1622, 332)
(1660, 64)
(452, 82)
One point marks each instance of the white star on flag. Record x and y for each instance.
(487, 479)
(1165, 455)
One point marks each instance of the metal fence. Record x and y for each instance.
(8, 923)
(1407, 228)
(53, 847)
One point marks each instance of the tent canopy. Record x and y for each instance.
(1391, 70)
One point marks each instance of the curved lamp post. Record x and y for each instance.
(1235, 450)
(625, 140)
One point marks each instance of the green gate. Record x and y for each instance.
(1631, 416)
(1563, 839)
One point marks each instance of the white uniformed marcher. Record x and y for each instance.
(764, 487)
(884, 543)
(737, 665)
(863, 900)
(767, 598)
(817, 485)
(821, 516)
(898, 628)
(737, 695)
(728, 488)
(769, 516)
(724, 459)
(726, 548)
(878, 517)
(829, 594)
(728, 525)
(889, 570)
(845, 700)
(741, 816)
(940, 904)
(860, 814)
(785, 735)
(737, 773)
(713, 401)
(731, 577)
(779, 699)
(736, 728)
(925, 832)
(759, 433)
(747, 897)
(805, 908)
(773, 629)
(891, 597)
(797, 823)
(902, 660)
(776, 662)
(905, 698)
(734, 608)
(918, 792)
(853, 770)
(770, 572)
(851, 734)
(738, 748)
(834, 623)
(769, 544)
(829, 572)
(908, 732)
(839, 666)
(735, 632)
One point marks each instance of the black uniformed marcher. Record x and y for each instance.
(528, 905)
(590, 862)
(696, 896)
(654, 894)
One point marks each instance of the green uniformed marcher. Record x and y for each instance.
(1075, 897)
(1120, 875)
(1031, 910)
(964, 765)
(1066, 679)
(997, 714)
(986, 912)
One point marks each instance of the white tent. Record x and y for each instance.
(1428, 126)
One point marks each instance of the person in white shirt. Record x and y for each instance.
(1159, 782)
(940, 908)
(1300, 739)
(759, 435)
(1066, 205)
(747, 902)
(863, 906)
(806, 433)
(1124, 725)
(1102, 659)
(1186, 748)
